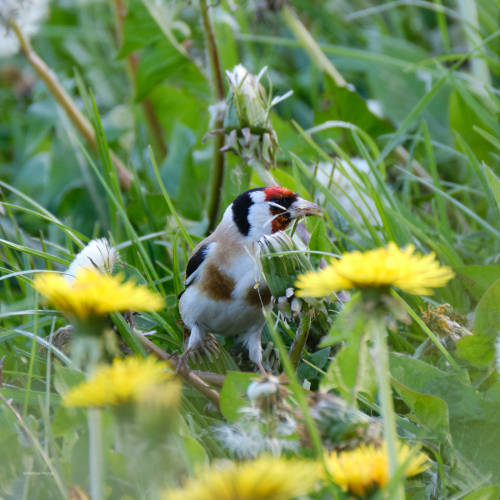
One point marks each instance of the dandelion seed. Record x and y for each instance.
(92, 294)
(363, 469)
(379, 268)
(127, 380)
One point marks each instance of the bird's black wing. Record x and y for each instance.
(193, 265)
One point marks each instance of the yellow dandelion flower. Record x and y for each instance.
(125, 381)
(94, 294)
(367, 467)
(266, 478)
(383, 267)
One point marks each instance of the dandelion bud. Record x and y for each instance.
(248, 98)
(247, 126)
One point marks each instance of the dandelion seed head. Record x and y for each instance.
(98, 255)
(28, 14)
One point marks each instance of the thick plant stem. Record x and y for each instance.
(66, 102)
(300, 339)
(219, 95)
(96, 463)
(133, 63)
(381, 362)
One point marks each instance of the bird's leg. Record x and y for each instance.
(252, 341)
(195, 337)
(182, 360)
(262, 369)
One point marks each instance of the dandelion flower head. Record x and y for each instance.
(363, 469)
(266, 478)
(379, 268)
(125, 381)
(92, 294)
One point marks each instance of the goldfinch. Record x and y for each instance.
(224, 290)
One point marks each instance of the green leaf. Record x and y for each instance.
(319, 240)
(463, 119)
(352, 371)
(478, 350)
(487, 316)
(478, 278)
(163, 62)
(139, 28)
(487, 493)
(66, 378)
(233, 394)
(493, 183)
(319, 359)
(429, 411)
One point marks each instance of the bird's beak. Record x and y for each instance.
(303, 208)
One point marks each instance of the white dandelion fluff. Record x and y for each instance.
(97, 255)
(347, 183)
(28, 14)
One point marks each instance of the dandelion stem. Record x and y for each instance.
(219, 94)
(300, 396)
(300, 339)
(96, 462)
(378, 329)
(66, 102)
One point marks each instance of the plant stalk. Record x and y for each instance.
(217, 82)
(189, 376)
(133, 63)
(300, 339)
(96, 462)
(66, 102)
(382, 372)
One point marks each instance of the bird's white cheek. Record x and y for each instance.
(260, 219)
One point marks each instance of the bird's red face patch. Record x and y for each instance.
(272, 192)
(281, 198)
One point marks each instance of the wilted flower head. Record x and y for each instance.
(266, 426)
(379, 268)
(92, 294)
(248, 128)
(265, 478)
(362, 470)
(445, 322)
(127, 380)
(98, 255)
(28, 14)
(342, 426)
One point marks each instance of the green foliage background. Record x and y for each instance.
(441, 192)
